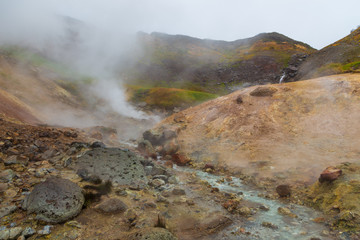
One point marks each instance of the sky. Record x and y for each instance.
(316, 22)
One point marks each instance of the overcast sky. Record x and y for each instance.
(316, 22)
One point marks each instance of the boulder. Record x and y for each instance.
(330, 174)
(55, 200)
(112, 205)
(283, 190)
(180, 159)
(158, 137)
(263, 92)
(145, 147)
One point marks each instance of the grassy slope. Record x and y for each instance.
(342, 56)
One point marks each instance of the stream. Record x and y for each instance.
(302, 227)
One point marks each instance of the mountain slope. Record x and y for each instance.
(296, 129)
(342, 56)
(212, 66)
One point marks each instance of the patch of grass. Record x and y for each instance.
(167, 98)
(351, 66)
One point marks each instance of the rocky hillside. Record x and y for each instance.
(342, 56)
(212, 66)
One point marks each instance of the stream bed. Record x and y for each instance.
(286, 227)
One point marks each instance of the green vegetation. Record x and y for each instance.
(166, 98)
(338, 68)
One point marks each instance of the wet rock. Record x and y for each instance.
(157, 182)
(283, 190)
(152, 234)
(330, 174)
(264, 208)
(4, 211)
(178, 191)
(112, 205)
(7, 175)
(55, 200)
(28, 231)
(119, 166)
(45, 231)
(263, 92)
(269, 225)
(98, 145)
(286, 212)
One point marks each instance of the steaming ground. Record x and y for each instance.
(297, 132)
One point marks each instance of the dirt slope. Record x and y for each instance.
(298, 131)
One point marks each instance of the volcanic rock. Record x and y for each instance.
(287, 212)
(239, 100)
(283, 190)
(7, 175)
(10, 233)
(180, 159)
(145, 147)
(55, 200)
(7, 210)
(119, 166)
(330, 174)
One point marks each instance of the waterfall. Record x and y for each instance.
(282, 78)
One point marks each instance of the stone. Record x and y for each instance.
(112, 205)
(162, 177)
(7, 175)
(263, 92)
(145, 147)
(40, 173)
(244, 211)
(28, 231)
(178, 191)
(10, 233)
(158, 170)
(45, 231)
(209, 166)
(55, 200)
(286, 212)
(173, 179)
(283, 190)
(239, 100)
(98, 145)
(3, 187)
(269, 225)
(153, 233)
(157, 182)
(330, 174)
(170, 147)
(4, 211)
(157, 138)
(180, 159)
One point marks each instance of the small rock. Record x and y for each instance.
(7, 175)
(7, 210)
(3, 187)
(98, 145)
(157, 182)
(269, 225)
(178, 191)
(73, 223)
(40, 173)
(209, 166)
(15, 232)
(112, 205)
(158, 170)
(283, 190)
(45, 231)
(264, 208)
(21, 238)
(285, 211)
(130, 215)
(239, 100)
(173, 179)
(244, 211)
(180, 159)
(161, 198)
(28, 231)
(162, 177)
(330, 174)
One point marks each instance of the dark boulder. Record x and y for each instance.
(263, 92)
(55, 200)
